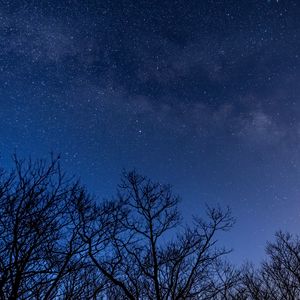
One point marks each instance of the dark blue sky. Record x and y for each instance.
(201, 94)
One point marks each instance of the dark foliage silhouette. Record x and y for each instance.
(137, 255)
(58, 242)
(279, 276)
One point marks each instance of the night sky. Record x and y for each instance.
(203, 95)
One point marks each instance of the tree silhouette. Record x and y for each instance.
(279, 276)
(57, 242)
(139, 257)
(39, 243)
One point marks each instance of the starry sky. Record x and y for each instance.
(203, 95)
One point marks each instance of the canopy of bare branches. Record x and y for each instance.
(57, 242)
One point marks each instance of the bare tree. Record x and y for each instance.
(228, 284)
(279, 276)
(148, 253)
(39, 244)
(57, 242)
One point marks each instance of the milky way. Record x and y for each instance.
(203, 95)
